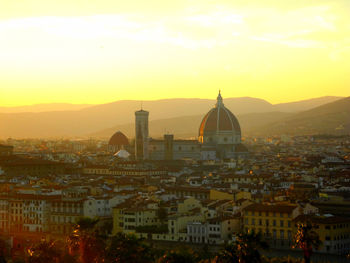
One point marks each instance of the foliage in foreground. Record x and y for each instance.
(244, 250)
(86, 245)
(307, 239)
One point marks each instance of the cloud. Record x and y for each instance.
(215, 19)
(111, 27)
(298, 43)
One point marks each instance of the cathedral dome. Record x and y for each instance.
(118, 139)
(219, 121)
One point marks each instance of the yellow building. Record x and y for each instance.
(131, 214)
(118, 218)
(243, 195)
(96, 170)
(220, 195)
(274, 221)
(188, 204)
(333, 231)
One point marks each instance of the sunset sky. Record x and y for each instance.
(100, 51)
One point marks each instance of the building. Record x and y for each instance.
(274, 221)
(4, 214)
(6, 150)
(132, 214)
(220, 134)
(141, 134)
(333, 231)
(117, 142)
(65, 210)
(170, 149)
(219, 138)
(14, 165)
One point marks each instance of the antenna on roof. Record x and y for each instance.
(141, 105)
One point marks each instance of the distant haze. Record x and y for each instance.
(178, 116)
(44, 107)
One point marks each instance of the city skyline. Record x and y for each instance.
(98, 52)
(174, 131)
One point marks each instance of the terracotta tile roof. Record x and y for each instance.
(270, 208)
(322, 219)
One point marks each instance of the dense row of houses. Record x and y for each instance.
(277, 187)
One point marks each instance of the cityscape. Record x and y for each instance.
(127, 134)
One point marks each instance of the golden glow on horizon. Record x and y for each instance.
(106, 50)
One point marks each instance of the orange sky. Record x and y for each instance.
(102, 51)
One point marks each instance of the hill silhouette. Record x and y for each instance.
(331, 118)
(168, 113)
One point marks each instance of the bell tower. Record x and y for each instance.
(141, 135)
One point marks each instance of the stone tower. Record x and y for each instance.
(168, 146)
(141, 134)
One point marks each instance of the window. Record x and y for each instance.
(281, 223)
(274, 222)
(253, 221)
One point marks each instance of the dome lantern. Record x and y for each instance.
(219, 126)
(219, 100)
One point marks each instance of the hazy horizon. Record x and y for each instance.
(160, 99)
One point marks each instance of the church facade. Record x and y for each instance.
(219, 138)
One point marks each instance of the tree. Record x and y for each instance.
(3, 250)
(128, 248)
(245, 249)
(45, 251)
(86, 242)
(182, 255)
(228, 254)
(307, 239)
(204, 253)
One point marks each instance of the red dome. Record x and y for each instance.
(219, 119)
(118, 139)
